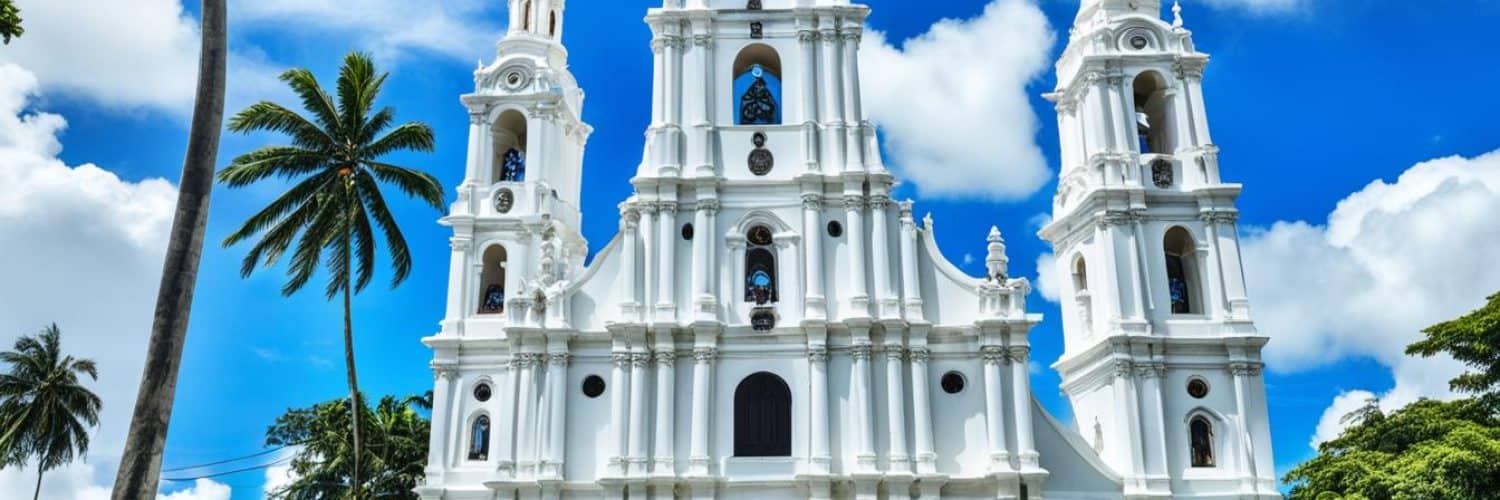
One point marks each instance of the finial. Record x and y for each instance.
(1176, 13)
(996, 262)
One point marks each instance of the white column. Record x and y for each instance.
(1127, 432)
(503, 423)
(994, 408)
(1212, 276)
(1153, 380)
(833, 105)
(525, 413)
(458, 260)
(860, 398)
(666, 403)
(703, 358)
(478, 133)
(639, 359)
(737, 278)
(704, 46)
(888, 307)
(710, 232)
(853, 115)
(895, 403)
(666, 290)
(922, 410)
(1020, 377)
(629, 219)
(700, 249)
(1142, 290)
(812, 222)
(1240, 371)
(649, 244)
(911, 289)
(817, 360)
(1234, 268)
(619, 384)
(557, 383)
(859, 295)
(442, 400)
(786, 269)
(807, 35)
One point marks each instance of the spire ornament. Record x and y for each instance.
(1177, 13)
(996, 263)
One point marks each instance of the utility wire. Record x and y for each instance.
(226, 473)
(236, 459)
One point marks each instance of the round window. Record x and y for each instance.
(953, 382)
(1197, 388)
(687, 231)
(593, 386)
(1139, 42)
(482, 392)
(835, 229)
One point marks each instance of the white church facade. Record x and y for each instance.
(769, 323)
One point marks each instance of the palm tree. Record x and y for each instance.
(335, 155)
(140, 463)
(46, 411)
(10, 21)
(396, 455)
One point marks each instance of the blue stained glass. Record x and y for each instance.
(757, 97)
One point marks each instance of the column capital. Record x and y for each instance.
(640, 359)
(1019, 354)
(879, 201)
(621, 360)
(460, 243)
(1244, 369)
(705, 354)
(559, 358)
(710, 205)
(860, 352)
(918, 354)
(854, 201)
(1123, 368)
(666, 357)
(817, 354)
(812, 201)
(992, 355)
(443, 370)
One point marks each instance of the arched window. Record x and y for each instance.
(757, 86)
(510, 147)
(760, 266)
(1081, 296)
(526, 16)
(552, 24)
(1202, 441)
(1080, 276)
(1182, 272)
(479, 439)
(762, 417)
(492, 281)
(1153, 118)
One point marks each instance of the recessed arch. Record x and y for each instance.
(509, 131)
(762, 417)
(1080, 274)
(1154, 121)
(479, 431)
(1184, 271)
(1201, 441)
(757, 92)
(495, 262)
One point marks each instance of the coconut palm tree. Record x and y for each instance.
(10, 21)
(140, 463)
(332, 211)
(45, 413)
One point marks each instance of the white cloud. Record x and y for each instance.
(455, 28)
(83, 248)
(277, 477)
(1046, 277)
(125, 55)
(1332, 422)
(952, 104)
(202, 489)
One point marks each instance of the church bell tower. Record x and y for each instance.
(1162, 362)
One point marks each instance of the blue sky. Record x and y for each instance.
(1358, 128)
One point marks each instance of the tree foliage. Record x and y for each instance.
(45, 412)
(1427, 450)
(1474, 340)
(392, 458)
(10, 21)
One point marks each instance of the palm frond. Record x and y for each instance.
(395, 242)
(415, 183)
(280, 161)
(314, 99)
(317, 235)
(410, 136)
(299, 195)
(269, 116)
(364, 246)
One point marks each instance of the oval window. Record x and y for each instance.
(482, 392)
(835, 229)
(1197, 388)
(687, 231)
(953, 382)
(593, 386)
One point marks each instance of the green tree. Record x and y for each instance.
(46, 412)
(1427, 450)
(140, 462)
(10, 21)
(335, 157)
(1474, 340)
(392, 460)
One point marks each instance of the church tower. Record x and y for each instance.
(1162, 363)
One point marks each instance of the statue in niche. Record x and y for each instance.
(494, 299)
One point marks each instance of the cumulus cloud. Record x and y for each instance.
(962, 130)
(462, 29)
(125, 55)
(202, 489)
(83, 248)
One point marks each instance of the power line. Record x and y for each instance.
(226, 473)
(236, 459)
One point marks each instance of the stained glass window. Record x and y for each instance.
(514, 168)
(759, 96)
(760, 267)
(479, 439)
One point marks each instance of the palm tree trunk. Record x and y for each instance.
(140, 464)
(39, 472)
(355, 407)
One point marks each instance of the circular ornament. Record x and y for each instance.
(761, 161)
(1197, 388)
(1139, 42)
(505, 200)
(482, 392)
(953, 382)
